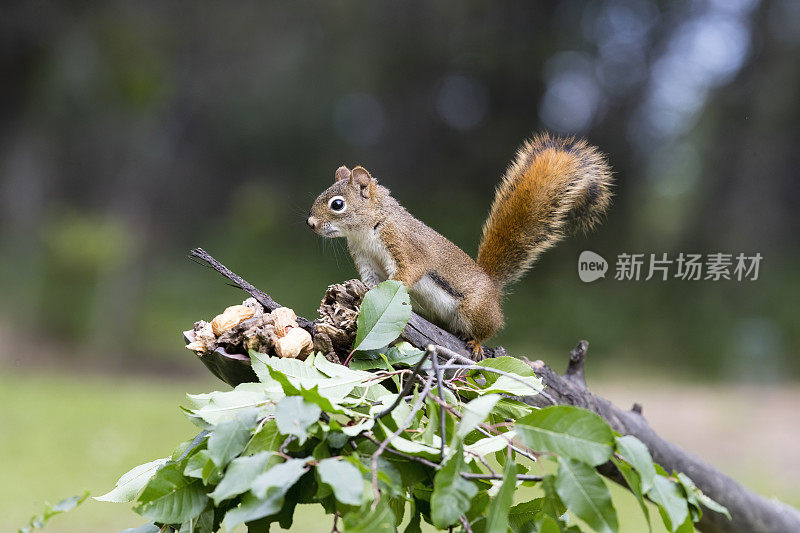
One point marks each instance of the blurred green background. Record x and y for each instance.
(132, 132)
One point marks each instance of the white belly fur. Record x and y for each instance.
(372, 259)
(432, 301)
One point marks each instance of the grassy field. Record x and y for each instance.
(62, 434)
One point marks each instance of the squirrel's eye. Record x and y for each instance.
(337, 204)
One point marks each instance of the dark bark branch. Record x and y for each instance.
(261, 297)
(751, 512)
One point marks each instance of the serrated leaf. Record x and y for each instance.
(452, 494)
(171, 498)
(283, 476)
(132, 482)
(475, 412)
(491, 444)
(515, 385)
(506, 363)
(636, 453)
(416, 448)
(384, 314)
(672, 505)
(367, 520)
(65, 505)
(223, 406)
(202, 524)
(229, 438)
(497, 514)
(239, 476)
(547, 524)
(521, 517)
(401, 354)
(201, 466)
(253, 508)
(294, 415)
(583, 492)
(267, 438)
(569, 432)
(634, 482)
(343, 478)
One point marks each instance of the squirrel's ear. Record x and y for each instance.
(361, 179)
(342, 173)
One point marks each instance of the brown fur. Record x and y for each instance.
(553, 184)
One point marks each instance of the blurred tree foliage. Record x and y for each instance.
(133, 132)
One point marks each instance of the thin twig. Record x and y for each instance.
(465, 523)
(407, 422)
(406, 389)
(420, 460)
(490, 434)
(520, 477)
(483, 461)
(431, 351)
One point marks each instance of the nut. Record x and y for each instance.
(284, 318)
(232, 316)
(296, 343)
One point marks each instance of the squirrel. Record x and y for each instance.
(554, 185)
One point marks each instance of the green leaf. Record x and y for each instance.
(452, 493)
(294, 415)
(497, 514)
(267, 494)
(252, 508)
(696, 497)
(384, 314)
(547, 524)
(219, 407)
(515, 385)
(569, 432)
(202, 524)
(672, 504)
(506, 363)
(144, 528)
(415, 448)
(491, 444)
(366, 520)
(583, 492)
(521, 517)
(132, 482)
(401, 354)
(171, 498)
(634, 482)
(240, 475)
(268, 439)
(476, 412)
(636, 453)
(65, 505)
(282, 476)
(229, 438)
(343, 478)
(201, 466)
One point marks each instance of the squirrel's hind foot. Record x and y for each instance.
(477, 350)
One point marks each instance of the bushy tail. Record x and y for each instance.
(555, 185)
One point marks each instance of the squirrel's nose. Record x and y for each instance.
(312, 222)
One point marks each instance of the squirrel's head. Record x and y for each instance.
(346, 206)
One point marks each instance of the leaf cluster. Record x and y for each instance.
(397, 438)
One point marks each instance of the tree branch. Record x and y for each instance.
(750, 511)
